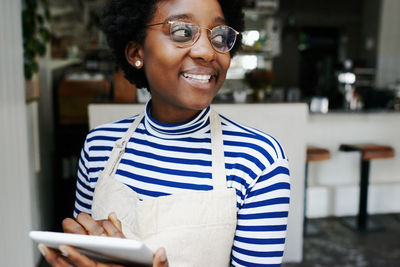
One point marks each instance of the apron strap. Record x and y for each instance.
(217, 152)
(120, 146)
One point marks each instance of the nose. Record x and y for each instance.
(202, 48)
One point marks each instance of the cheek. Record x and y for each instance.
(159, 51)
(228, 62)
(160, 61)
(225, 62)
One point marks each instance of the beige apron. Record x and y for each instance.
(196, 228)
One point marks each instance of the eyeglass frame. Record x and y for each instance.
(210, 30)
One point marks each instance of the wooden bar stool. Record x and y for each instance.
(368, 152)
(313, 154)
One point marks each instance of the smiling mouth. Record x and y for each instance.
(198, 77)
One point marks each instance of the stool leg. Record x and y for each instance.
(364, 183)
(362, 223)
(305, 201)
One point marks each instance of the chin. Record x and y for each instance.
(200, 103)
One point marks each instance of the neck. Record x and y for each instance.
(169, 115)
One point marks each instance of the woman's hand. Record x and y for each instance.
(85, 224)
(69, 257)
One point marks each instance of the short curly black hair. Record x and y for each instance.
(125, 20)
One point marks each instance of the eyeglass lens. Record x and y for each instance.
(222, 37)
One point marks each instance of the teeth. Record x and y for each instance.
(200, 78)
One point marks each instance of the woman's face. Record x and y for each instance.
(173, 72)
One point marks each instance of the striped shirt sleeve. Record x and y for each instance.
(262, 219)
(84, 189)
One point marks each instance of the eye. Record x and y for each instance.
(219, 36)
(181, 32)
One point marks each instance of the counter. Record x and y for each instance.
(334, 184)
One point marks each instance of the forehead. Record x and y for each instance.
(200, 11)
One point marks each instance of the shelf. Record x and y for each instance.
(60, 63)
(261, 11)
(60, 11)
(97, 47)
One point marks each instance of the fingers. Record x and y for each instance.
(113, 226)
(111, 230)
(76, 258)
(85, 224)
(52, 257)
(92, 227)
(113, 218)
(69, 257)
(160, 258)
(71, 226)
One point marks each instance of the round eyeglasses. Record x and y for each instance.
(185, 34)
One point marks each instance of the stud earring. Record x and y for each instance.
(138, 63)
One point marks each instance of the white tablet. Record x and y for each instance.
(100, 248)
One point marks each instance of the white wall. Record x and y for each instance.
(286, 122)
(16, 170)
(334, 184)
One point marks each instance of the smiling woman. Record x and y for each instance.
(178, 94)
(179, 176)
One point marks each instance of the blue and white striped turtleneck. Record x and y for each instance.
(163, 159)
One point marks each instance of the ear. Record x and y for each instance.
(134, 55)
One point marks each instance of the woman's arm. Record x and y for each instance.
(84, 186)
(262, 219)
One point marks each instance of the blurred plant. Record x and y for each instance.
(35, 14)
(259, 78)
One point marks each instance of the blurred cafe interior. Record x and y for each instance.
(330, 70)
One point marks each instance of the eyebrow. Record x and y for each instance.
(187, 16)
